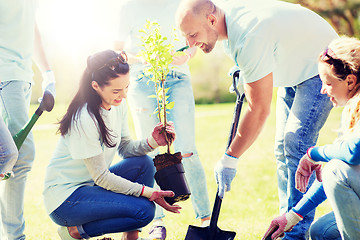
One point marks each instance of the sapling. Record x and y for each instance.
(158, 52)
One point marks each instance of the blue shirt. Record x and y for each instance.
(267, 36)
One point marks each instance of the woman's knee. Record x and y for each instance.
(334, 171)
(325, 228)
(147, 212)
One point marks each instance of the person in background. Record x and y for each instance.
(83, 192)
(180, 92)
(339, 180)
(274, 44)
(20, 43)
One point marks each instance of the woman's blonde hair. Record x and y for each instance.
(347, 49)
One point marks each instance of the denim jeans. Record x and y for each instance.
(14, 106)
(8, 150)
(142, 108)
(96, 211)
(325, 228)
(342, 187)
(301, 111)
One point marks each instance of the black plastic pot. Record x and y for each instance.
(173, 178)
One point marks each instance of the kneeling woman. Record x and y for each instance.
(84, 194)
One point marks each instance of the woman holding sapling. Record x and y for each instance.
(180, 92)
(84, 194)
(339, 181)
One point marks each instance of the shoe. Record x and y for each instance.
(6, 176)
(205, 224)
(157, 233)
(64, 234)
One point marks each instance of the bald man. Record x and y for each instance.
(274, 44)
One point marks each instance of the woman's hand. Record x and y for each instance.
(303, 173)
(161, 135)
(158, 197)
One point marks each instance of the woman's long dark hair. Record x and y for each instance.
(98, 69)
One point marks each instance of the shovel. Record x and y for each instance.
(46, 104)
(213, 232)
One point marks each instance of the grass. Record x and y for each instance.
(247, 209)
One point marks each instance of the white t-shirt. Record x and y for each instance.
(267, 36)
(67, 170)
(17, 27)
(133, 16)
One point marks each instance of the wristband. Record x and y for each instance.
(152, 143)
(147, 191)
(309, 157)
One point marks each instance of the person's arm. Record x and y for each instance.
(104, 178)
(259, 96)
(346, 150)
(313, 198)
(130, 148)
(183, 59)
(132, 58)
(286, 222)
(41, 60)
(39, 52)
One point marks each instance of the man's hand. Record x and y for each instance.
(303, 173)
(225, 172)
(284, 223)
(48, 83)
(180, 59)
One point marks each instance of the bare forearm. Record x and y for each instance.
(249, 129)
(39, 52)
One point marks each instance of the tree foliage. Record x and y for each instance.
(343, 15)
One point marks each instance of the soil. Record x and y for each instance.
(167, 159)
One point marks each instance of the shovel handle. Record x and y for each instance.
(20, 137)
(233, 129)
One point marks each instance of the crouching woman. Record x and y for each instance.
(84, 193)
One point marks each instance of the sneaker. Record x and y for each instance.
(157, 233)
(6, 176)
(205, 224)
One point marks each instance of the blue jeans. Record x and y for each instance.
(8, 150)
(182, 115)
(342, 187)
(301, 111)
(14, 106)
(325, 228)
(96, 211)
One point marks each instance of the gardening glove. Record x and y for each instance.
(284, 223)
(162, 135)
(303, 173)
(158, 197)
(234, 72)
(225, 171)
(48, 83)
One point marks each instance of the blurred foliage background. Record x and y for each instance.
(73, 30)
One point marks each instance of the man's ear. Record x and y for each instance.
(212, 20)
(351, 81)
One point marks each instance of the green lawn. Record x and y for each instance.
(247, 209)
